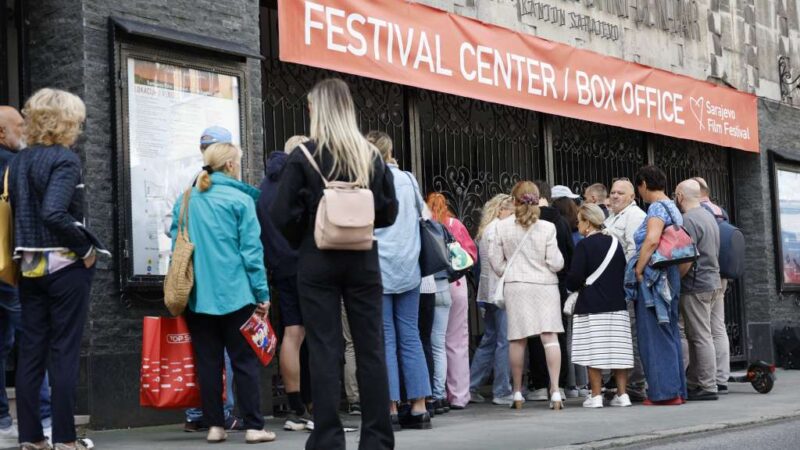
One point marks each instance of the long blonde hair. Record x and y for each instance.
(334, 127)
(383, 143)
(526, 203)
(216, 157)
(491, 210)
(53, 117)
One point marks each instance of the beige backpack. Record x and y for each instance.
(345, 215)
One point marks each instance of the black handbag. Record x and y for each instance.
(433, 255)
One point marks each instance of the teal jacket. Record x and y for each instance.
(228, 256)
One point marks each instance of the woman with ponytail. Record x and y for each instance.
(531, 296)
(230, 284)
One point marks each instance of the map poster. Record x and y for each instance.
(169, 106)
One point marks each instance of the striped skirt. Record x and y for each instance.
(602, 341)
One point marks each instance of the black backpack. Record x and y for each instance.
(731, 247)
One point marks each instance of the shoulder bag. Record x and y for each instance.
(572, 299)
(497, 298)
(345, 214)
(179, 281)
(675, 247)
(433, 254)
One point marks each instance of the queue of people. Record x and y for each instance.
(569, 294)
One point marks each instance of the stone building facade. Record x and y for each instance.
(736, 43)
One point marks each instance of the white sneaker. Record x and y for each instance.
(539, 395)
(621, 400)
(10, 432)
(257, 436)
(584, 392)
(504, 401)
(476, 397)
(593, 401)
(216, 434)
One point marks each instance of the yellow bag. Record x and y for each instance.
(9, 272)
(180, 275)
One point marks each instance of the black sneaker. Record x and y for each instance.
(722, 389)
(193, 427)
(416, 421)
(354, 409)
(702, 394)
(298, 423)
(396, 423)
(430, 405)
(234, 423)
(446, 406)
(438, 407)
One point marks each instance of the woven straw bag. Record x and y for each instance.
(180, 275)
(8, 267)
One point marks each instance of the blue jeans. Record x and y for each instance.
(441, 315)
(660, 347)
(492, 354)
(10, 317)
(196, 414)
(401, 336)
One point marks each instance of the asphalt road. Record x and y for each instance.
(774, 436)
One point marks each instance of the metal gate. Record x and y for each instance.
(472, 150)
(682, 159)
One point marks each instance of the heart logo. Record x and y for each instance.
(696, 105)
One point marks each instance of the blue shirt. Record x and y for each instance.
(228, 256)
(399, 244)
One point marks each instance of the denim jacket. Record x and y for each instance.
(656, 290)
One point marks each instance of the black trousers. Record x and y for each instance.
(211, 336)
(54, 310)
(426, 309)
(325, 278)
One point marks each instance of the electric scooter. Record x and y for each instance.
(760, 374)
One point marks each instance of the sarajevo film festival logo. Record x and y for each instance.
(181, 338)
(696, 105)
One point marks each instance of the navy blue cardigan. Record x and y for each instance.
(607, 294)
(47, 200)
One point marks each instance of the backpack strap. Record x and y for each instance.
(314, 164)
(5, 185)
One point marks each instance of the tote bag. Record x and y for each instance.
(675, 246)
(179, 281)
(168, 379)
(8, 267)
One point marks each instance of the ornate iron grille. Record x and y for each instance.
(680, 160)
(473, 150)
(585, 153)
(379, 105)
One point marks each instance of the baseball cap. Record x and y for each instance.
(215, 135)
(560, 190)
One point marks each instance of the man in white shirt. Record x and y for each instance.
(624, 219)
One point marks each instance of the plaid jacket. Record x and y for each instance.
(47, 200)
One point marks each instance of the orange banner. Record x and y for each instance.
(416, 45)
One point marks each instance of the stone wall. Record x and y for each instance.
(69, 49)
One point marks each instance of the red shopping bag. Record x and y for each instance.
(168, 378)
(259, 334)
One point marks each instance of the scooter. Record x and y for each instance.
(760, 374)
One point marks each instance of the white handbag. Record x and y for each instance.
(497, 297)
(569, 305)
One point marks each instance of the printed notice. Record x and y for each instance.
(168, 108)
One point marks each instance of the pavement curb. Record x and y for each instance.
(672, 433)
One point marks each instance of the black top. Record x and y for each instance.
(279, 257)
(295, 206)
(564, 240)
(607, 294)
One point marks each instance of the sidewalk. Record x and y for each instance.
(493, 427)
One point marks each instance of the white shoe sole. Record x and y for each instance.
(293, 426)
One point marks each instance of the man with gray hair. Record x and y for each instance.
(718, 328)
(625, 218)
(700, 285)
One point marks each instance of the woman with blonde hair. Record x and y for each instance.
(57, 263)
(527, 255)
(457, 324)
(601, 325)
(326, 277)
(492, 353)
(223, 226)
